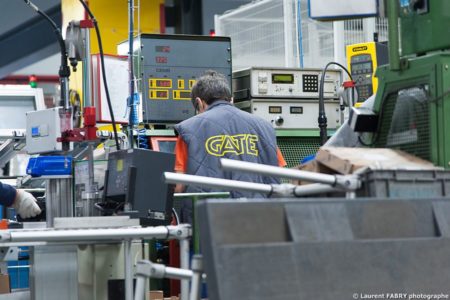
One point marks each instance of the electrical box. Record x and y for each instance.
(363, 60)
(168, 66)
(412, 106)
(287, 97)
(135, 177)
(44, 129)
(424, 26)
(293, 113)
(284, 83)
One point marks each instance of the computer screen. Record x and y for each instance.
(163, 144)
(13, 110)
(15, 102)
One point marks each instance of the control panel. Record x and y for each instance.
(44, 129)
(363, 60)
(293, 114)
(284, 83)
(362, 71)
(168, 66)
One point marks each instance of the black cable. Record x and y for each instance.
(64, 70)
(360, 140)
(105, 83)
(322, 116)
(57, 31)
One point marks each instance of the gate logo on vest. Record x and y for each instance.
(239, 144)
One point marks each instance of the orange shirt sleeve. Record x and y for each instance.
(281, 162)
(181, 155)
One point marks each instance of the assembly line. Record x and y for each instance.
(294, 149)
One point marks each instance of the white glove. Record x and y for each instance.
(25, 205)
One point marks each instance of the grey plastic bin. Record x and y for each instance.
(405, 184)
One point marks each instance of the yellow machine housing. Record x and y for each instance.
(112, 17)
(363, 60)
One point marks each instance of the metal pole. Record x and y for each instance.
(131, 71)
(87, 82)
(175, 273)
(350, 195)
(64, 85)
(139, 291)
(143, 271)
(369, 27)
(315, 188)
(196, 282)
(147, 269)
(339, 42)
(288, 35)
(59, 200)
(77, 235)
(184, 264)
(224, 184)
(393, 11)
(128, 270)
(237, 165)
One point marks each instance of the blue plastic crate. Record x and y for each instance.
(19, 273)
(49, 166)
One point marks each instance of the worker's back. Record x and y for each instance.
(223, 131)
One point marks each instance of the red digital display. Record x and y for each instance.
(161, 59)
(162, 94)
(164, 49)
(163, 83)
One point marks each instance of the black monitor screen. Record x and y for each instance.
(166, 146)
(163, 144)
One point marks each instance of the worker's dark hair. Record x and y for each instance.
(210, 87)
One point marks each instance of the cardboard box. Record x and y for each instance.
(311, 166)
(156, 295)
(4, 284)
(347, 160)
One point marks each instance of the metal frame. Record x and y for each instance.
(326, 183)
(88, 236)
(146, 269)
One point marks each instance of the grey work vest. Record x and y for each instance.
(224, 131)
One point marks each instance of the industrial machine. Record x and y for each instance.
(363, 60)
(44, 128)
(412, 99)
(133, 181)
(288, 98)
(168, 66)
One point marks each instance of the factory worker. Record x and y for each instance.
(23, 202)
(220, 130)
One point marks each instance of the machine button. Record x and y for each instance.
(279, 121)
(262, 88)
(262, 77)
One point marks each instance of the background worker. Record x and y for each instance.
(23, 202)
(220, 130)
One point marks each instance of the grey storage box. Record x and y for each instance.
(325, 249)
